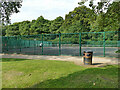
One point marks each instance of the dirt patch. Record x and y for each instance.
(11, 74)
(97, 61)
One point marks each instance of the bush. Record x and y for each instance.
(117, 51)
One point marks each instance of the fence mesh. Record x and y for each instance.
(70, 44)
(101, 43)
(51, 47)
(93, 41)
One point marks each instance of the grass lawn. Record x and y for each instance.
(24, 73)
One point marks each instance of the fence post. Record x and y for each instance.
(24, 43)
(34, 45)
(42, 44)
(118, 39)
(80, 44)
(104, 45)
(59, 43)
(20, 44)
(29, 42)
(1, 46)
(7, 44)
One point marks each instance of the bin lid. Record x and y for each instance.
(88, 51)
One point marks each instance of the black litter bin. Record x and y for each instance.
(87, 57)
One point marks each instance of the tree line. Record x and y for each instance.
(97, 18)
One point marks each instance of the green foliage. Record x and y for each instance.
(24, 28)
(98, 8)
(76, 27)
(7, 8)
(80, 17)
(112, 17)
(39, 26)
(98, 18)
(98, 24)
(56, 24)
(3, 30)
(107, 15)
(117, 51)
(13, 30)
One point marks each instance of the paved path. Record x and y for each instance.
(97, 61)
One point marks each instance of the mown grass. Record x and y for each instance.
(24, 73)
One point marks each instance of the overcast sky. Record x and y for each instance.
(49, 9)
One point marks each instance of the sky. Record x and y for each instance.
(49, 9)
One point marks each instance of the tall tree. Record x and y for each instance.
(56, 24)
(100, 7)
(13, 30)
(112, 17)
(39, 26)
(107, 15)
(82, 14)
(24, 28)
(3, 30)
(7, 8)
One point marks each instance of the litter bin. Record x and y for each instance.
(87, 57)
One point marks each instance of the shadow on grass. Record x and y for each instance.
(13, 59)
(103, 78)
(97, 63)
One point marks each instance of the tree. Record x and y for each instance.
(39, 26)
(24, 28)
(108, 21)
(98, 24)
(56, 24)
(112, 17)
(3, 30)
(76, 27)
(107, 15)
(13, 30)
(7, 9)
(101, 6)
(82, 14)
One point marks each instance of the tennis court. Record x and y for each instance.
(70, 44)
(71, 51)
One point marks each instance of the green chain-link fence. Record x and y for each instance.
(101, 43)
